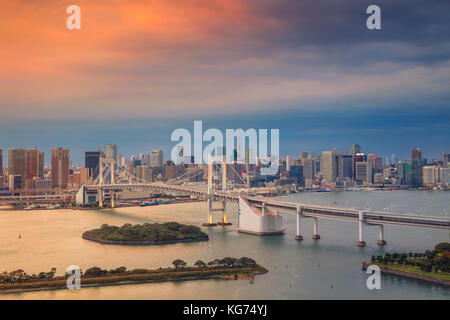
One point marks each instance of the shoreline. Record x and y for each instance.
(142, 243)
(408, 274)
(221, 274)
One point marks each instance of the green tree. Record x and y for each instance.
(200, 264)
(178, 263)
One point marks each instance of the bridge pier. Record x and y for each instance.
(224, 221)
(361, 242)
(100, 197)
(298, 235)
(315, 235)
(210, 214)
(381, 240)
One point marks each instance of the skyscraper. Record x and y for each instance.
(331, 166)
(111, 152)
(355, 148)
(156, 158)
(17, 163)
(91, 161)
(60, 168)
(289, 162)
(347, 163)
(416, 154)
(446, 160)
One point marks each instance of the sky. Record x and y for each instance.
(137, 70)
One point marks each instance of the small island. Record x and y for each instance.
(226, 268)
(146, 234)
(431, 266)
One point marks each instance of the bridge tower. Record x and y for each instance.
(112, 182)
(100, 182)
(211, 209)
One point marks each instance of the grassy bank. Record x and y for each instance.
(139, 276)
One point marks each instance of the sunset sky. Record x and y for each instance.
(138, 69)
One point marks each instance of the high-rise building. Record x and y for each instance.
(111, 152)
(156, 158)
(376, 162)
(347, 163)
(363, 172)
(17, 163)
(60, 168)
(91, 161)
(31, 164)
(413, 172)
(331, 166)
(446, 160)
(416, 154)
(296, 172)
(41, 161)
(355, 149)
(289, 162)
(394, 160)
(309, 171)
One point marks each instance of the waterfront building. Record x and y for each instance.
(156, 158)
(60, 167)
(309, 171)
(144, 173)
(430, 175)
(413, 172)
(17, 163)
(363, 172)
(15, 182)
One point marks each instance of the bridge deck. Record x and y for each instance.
(308, 210)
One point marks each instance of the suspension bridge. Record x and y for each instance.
(256, 214)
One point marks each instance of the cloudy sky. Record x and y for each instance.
(139, 69)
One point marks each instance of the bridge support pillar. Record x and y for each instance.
(100, 197)
(361, 242)
(224, 221)
(315, 235)
(298, 235)
(210, 214)
(381, 240)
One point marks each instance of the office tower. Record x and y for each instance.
(431, 175)
(394, 160)
(416, 154)
(347, 163)
(111, 152)
(91, 162)
(331, 166)
(1, 162)
(144, 173)
(413, 172)
(363, 172)
(41, 161)
(296, 172)
(376, 162)
(309, 171)
(355, 149)
(31, 165)
(156, 158)
(60, 168)
(446, 160)
(17, 163)
(289, 162)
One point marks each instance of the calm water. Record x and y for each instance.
(326, 269)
